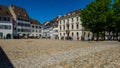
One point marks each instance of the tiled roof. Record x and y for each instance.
(70, 14)
(4, 11)
(52, 22)
(20, 12)
(34, 22)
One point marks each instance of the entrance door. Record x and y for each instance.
(8, 36)
(1, 35)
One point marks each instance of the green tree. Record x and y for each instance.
(94, 16)
(116, 17)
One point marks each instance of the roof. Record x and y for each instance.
(4, 11)
(52, 22)
(71, 14)
(33, 21)
(20, 12)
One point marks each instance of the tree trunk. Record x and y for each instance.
(104, 36)
(117, 35)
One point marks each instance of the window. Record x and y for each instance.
(72, 34)
(72, 26)
(36, 26)
(32, 26)
(18, 30)
(22, 24)
(22, 30)
(64, 34)
(19, 24)
(1, 26)
(5, 18)
(21, 19)
(56, 30)
(18, 18)
(5, 27)
(72, 19)
(8, 19)
(63, 27)
(9, 27)
(28, 25)
(40, 27)
(77, 34)
(67, 20)
(64, 21)
(77, 26)
(77, 18)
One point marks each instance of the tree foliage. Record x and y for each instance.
(101, 15)
(95, 14)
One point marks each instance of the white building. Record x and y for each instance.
(35, 29)
(70, 25)
(50, 29)
(6, 24)
(46, 30)
(54, 31)
(22, 22)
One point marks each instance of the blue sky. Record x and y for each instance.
(45, 10)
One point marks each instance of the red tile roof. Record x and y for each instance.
(33, 21)
(4, 11)
(20, 12)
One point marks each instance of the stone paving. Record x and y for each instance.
(60, 54)
(49, 59)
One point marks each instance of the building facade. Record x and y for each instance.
(46, 30)
(21, 21)
(6, 23)
(54, 31)
(71, 25)
(35, 29)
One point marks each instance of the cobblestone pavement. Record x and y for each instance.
(98, 55)
(49, 59)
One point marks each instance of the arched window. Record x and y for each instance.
(77, 18)
(64, 34)
(72, 26)
(72, 34)
(84, 33)
(77, 34)
(64, 21)
(77, 26)
(72, 19)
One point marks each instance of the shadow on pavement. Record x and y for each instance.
(4, 60)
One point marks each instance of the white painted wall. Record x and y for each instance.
(38, 33)
(6, 31)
